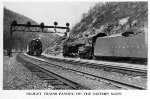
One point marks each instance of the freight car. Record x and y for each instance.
(34, 47)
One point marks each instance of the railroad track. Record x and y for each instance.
(116, 84)
(120, 69)
(52, 79)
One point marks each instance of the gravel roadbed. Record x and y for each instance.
(86, 81)
(18, 77)
(129, 79)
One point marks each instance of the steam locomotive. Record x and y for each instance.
(34, 47)
(120, 46)
(82, 50)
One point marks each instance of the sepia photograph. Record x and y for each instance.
(98, 45)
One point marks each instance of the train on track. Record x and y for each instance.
(34, 47)
(124, 46)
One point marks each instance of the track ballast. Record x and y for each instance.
(115, 83)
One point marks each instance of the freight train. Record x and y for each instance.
(34, 47)
(119, 46)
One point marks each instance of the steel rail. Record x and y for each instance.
(94, 65)
(100, 78)
(72, 84)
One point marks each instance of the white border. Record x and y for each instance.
(21, 94)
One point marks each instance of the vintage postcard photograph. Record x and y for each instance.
(69, 46)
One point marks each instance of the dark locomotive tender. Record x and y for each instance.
(34, 47)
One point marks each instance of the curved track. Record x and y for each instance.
(118, 68)
(53, 79)
(112, 82)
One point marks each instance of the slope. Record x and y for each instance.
(21, 39)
